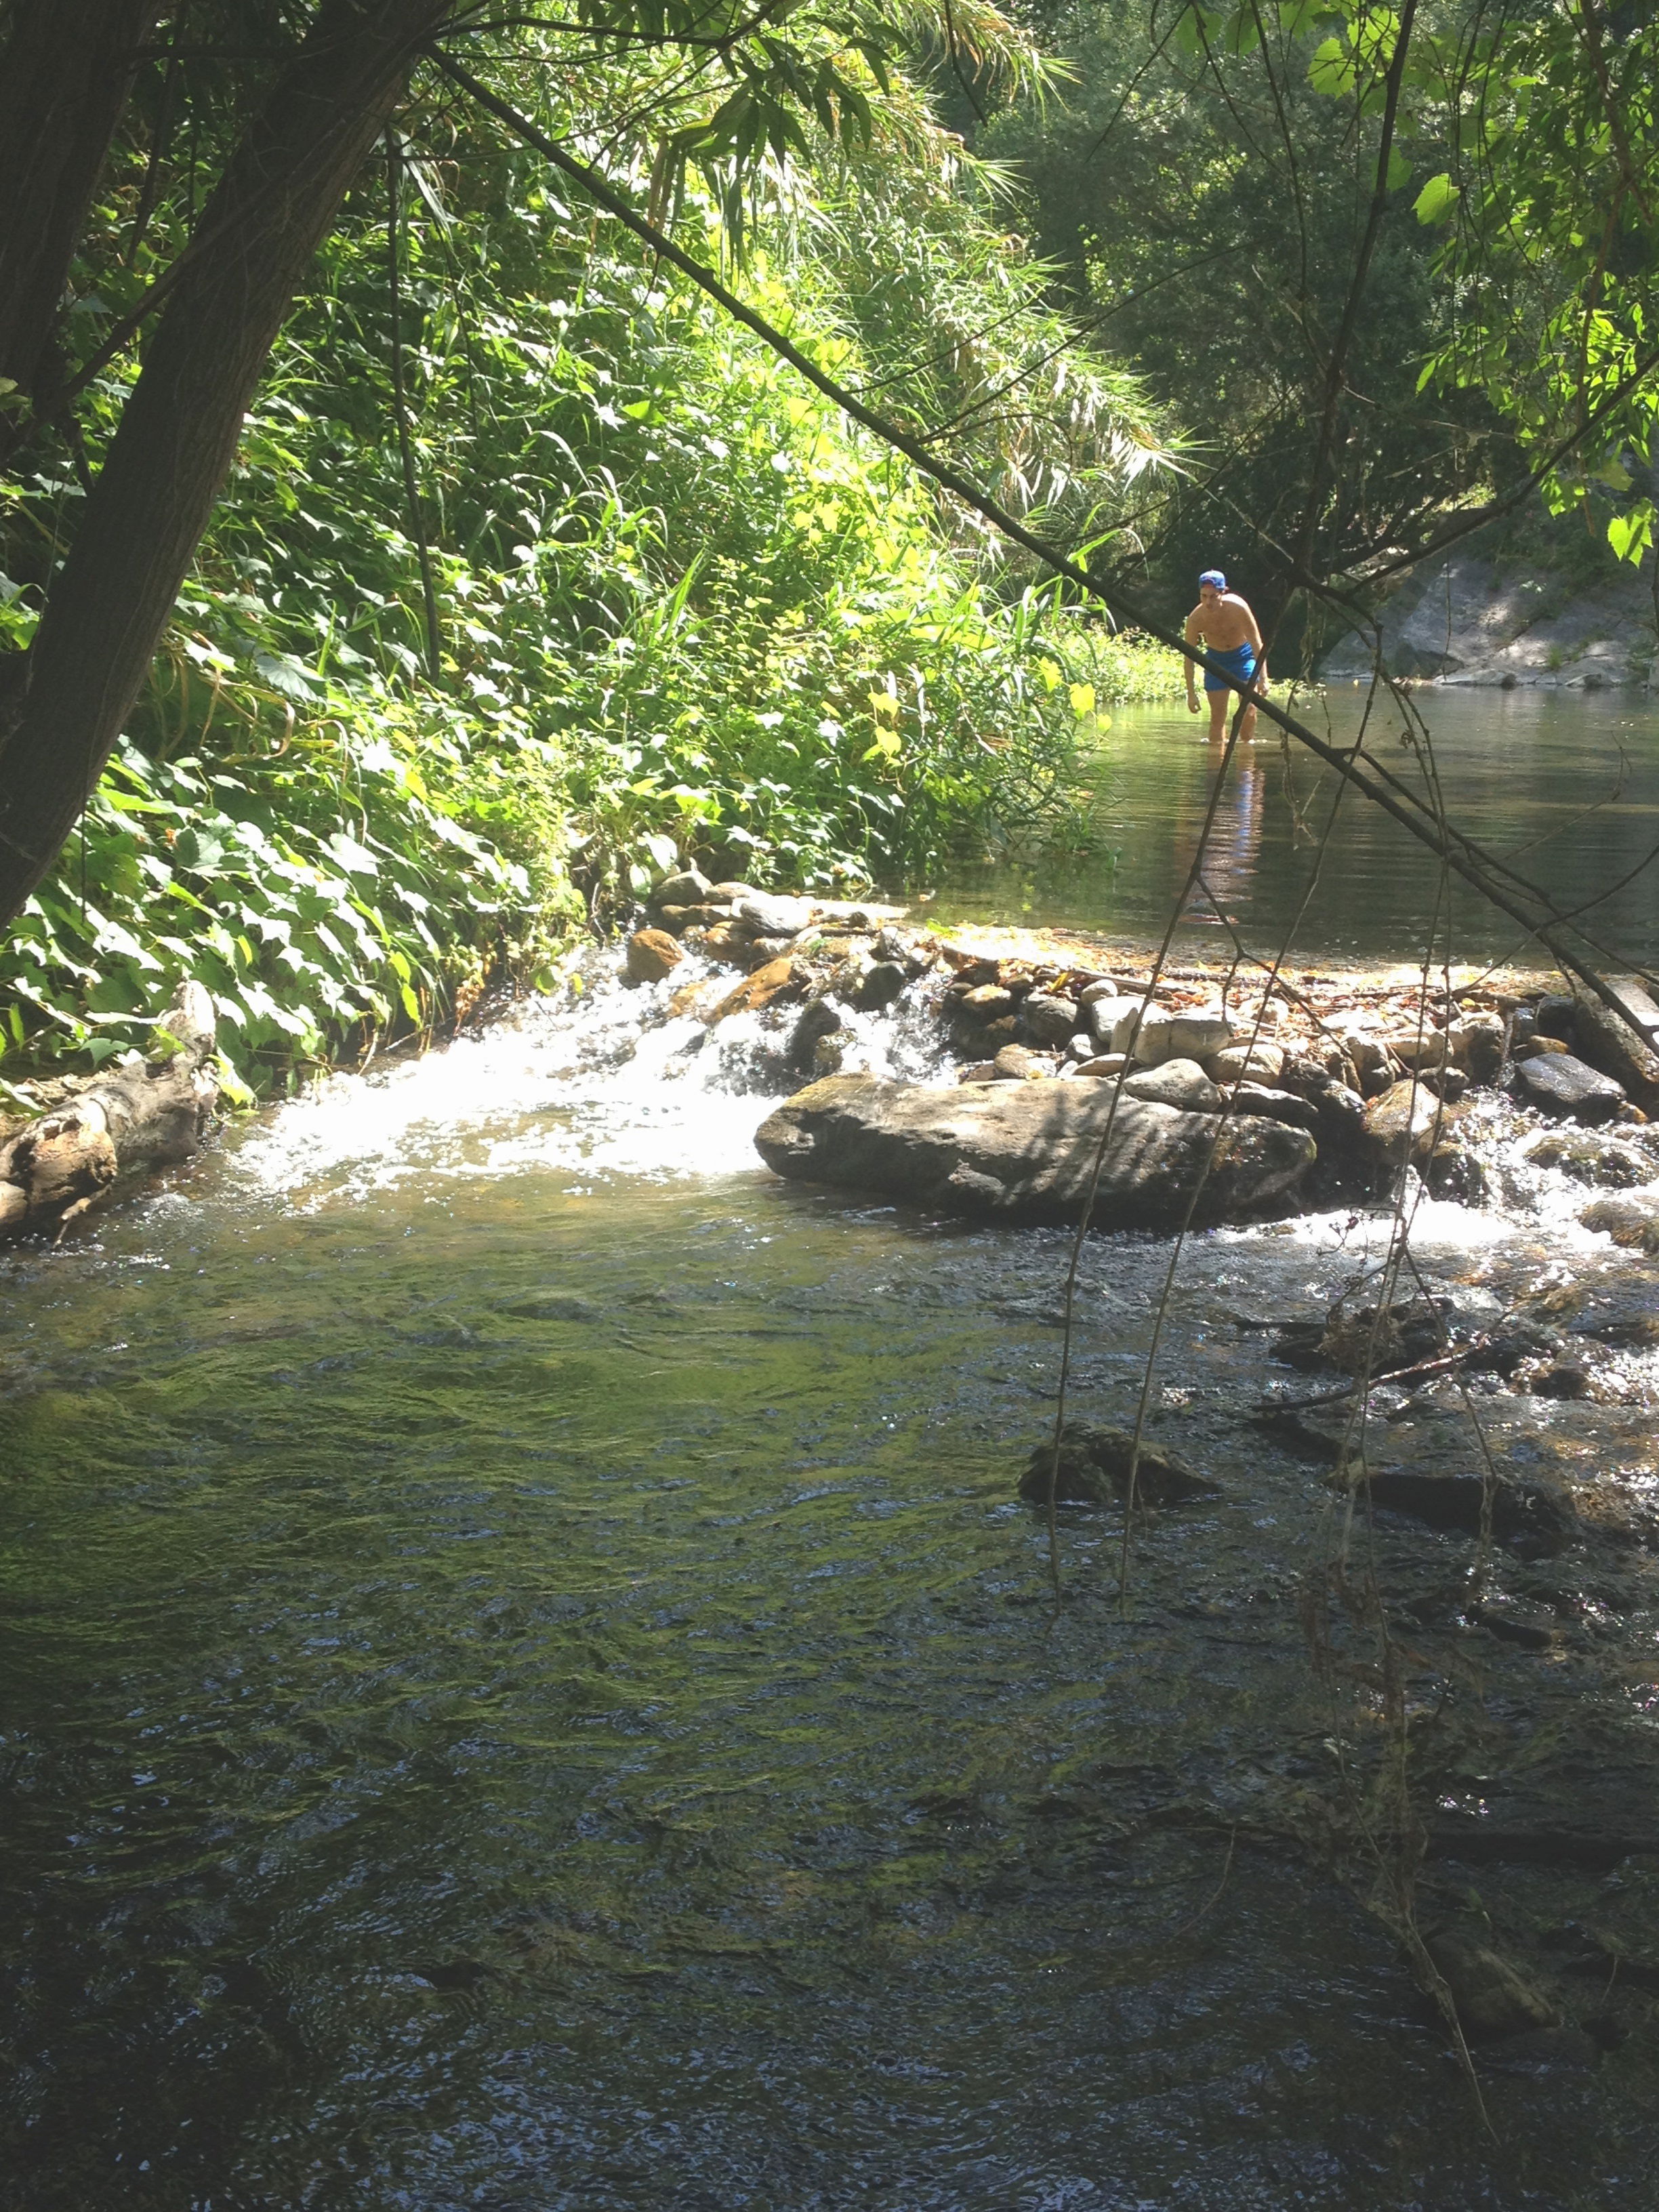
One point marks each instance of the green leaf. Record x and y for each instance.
(1630, 535)
(1437, 199)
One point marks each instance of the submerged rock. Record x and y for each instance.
(1489, 1997)
(1094, 1468)
(1026, 1151)
(1460, 1497)
(762, 987)
(1632, 1222)
(1586, 1159)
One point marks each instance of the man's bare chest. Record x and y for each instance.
(1222, 626)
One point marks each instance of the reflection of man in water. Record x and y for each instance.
(1224, 627)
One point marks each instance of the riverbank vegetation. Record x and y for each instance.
(524, 572)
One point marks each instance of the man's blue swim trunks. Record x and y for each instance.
(1241, 661)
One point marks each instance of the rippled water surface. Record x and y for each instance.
(525, 1686)
(1562, 786)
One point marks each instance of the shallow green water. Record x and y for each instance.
(1565, 786)
(523, 1685)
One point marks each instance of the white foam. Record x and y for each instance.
(600, 1081)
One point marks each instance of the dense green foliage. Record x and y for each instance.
(1367, 267)
(1206, 203)
(684, 609)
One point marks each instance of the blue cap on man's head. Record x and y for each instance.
(1212, 576)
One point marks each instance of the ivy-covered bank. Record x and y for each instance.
(678, 608)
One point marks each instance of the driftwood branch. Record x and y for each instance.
(144, 1114)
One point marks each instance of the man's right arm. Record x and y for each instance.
(1191, 634)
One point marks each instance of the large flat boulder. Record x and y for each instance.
(1025, 1151)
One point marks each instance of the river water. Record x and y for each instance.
(526, 1685)
(1564, 785)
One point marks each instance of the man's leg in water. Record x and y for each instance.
(1224, 705)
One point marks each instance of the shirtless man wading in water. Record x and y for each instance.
(1222, 625)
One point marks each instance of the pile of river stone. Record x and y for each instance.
(1378, 1078)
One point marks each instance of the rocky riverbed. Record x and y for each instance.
(1210, 1094)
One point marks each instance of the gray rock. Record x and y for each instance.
(1244, 1062)
(1371, 1062)
(1163, 1035)
(1017, 1063)
(987, 1002)
(1477, 1044)
(1278, 1106)
(818, 1020)
(1341, 1124)
(1423, 1050)
(1106, 1013)
(1626, 1049)
(763, 914)
(690, 887)
(1406, 1123)
(1558, 1083)
(1105, 1063)
(1176, 1083)
(727, 894)
(1584, 1157)
(1025, 1151)
(1632, 1222)
(913, 954)
(1045, 1020)
(1102, 988)
(1465, 620)
(1489, 1997)
(882, 983)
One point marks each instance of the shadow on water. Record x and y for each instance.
(526, 1685)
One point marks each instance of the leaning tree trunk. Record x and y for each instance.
(64, 73)
(140, 527)
(105, 1129)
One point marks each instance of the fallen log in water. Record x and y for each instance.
(145, 1113)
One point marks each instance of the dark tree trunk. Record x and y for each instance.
(140, 527)
(64, 79)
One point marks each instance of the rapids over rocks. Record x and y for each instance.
(529, 1682)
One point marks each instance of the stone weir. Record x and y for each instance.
(1027, 1151)
(1219, 1091)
